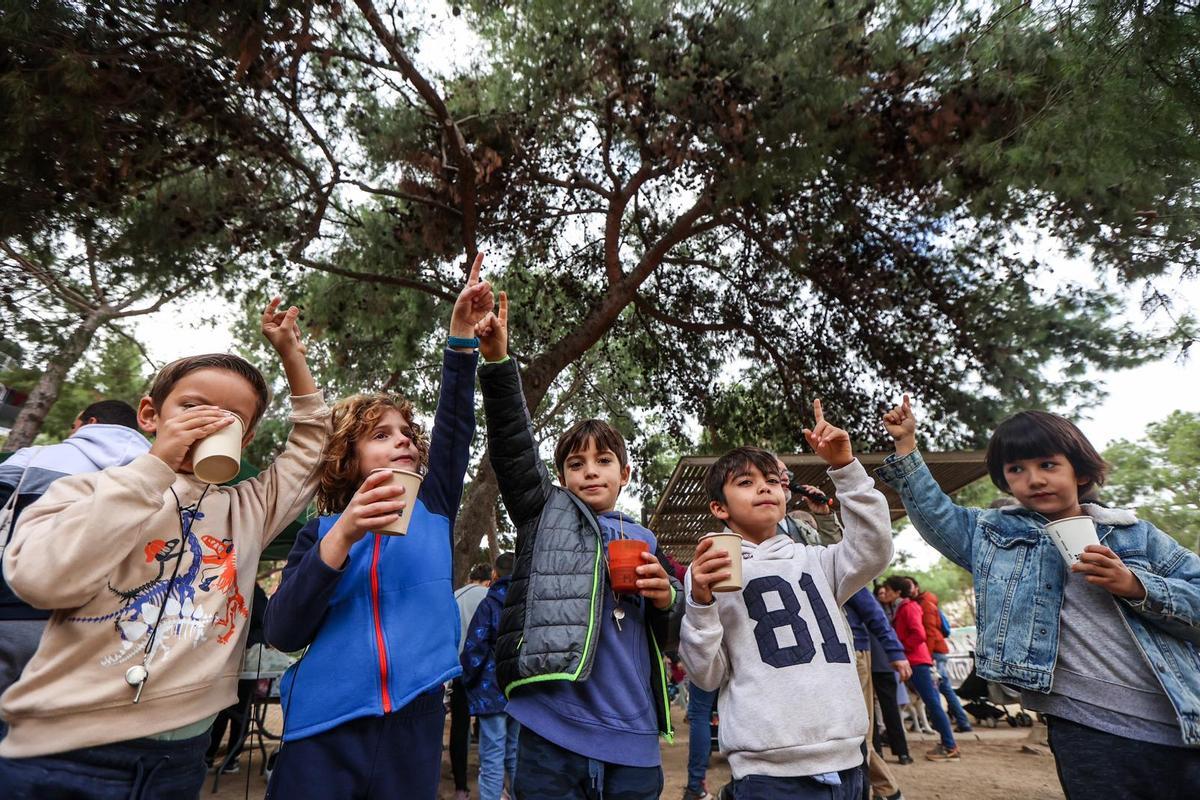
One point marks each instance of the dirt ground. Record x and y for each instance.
(995, 766)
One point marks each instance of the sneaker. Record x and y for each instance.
(232, 768)
(942, 753)
(961, 728)
(689, 794)
(905, 760)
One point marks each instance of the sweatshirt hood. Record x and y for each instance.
(778, 546)
(108, 445)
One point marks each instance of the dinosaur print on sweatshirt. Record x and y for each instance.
(207, 569)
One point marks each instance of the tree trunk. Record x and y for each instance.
(476, 516)
(41, 399)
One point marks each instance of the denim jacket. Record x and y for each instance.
(1019, 578)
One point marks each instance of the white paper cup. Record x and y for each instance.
(411, 481)
(218, 458)
(731, 544)
(1071, 535)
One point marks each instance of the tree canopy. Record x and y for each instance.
(705, 212)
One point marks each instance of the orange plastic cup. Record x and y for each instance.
(624, 557)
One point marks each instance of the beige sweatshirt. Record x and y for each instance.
(98, 549)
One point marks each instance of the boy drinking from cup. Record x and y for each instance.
(793, 720)
(1105, 648)
(578, 656)
(149, 570)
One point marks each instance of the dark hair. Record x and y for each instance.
(576, 439)
(110, 412)
(915, 583)
(174, 372)
(480, 572)
(735, 462)
(504, 564)
(1038, 434)
(898, 583)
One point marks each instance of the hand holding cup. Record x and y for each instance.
(710, 566)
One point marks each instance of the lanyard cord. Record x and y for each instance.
(185, 529)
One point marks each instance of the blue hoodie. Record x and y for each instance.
(610, 716)
(90, 449)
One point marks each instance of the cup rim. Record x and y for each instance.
(1050, 523)
(397, 469)
(721, 533)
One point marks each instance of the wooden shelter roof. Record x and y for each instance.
(681, 516)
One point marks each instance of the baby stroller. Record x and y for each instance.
(988, 702)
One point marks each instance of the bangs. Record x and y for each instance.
(1025, 436)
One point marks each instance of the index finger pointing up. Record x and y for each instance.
(475, 265)
(817, 411)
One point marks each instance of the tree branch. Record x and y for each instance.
(373, 277)
(452, 134)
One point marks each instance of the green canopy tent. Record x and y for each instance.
(278, 549)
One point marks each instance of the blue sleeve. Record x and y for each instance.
(296, 610)
(1172, 601)
(450, 441)
(871, 614)
(949, 528)
(481, 638)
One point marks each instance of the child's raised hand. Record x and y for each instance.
(474, 302)
(376, 504)
(1102, 567)
(831, 443)
(282, 330)
(492, 331)
(901, 424)
(653, 583)
(709, 566)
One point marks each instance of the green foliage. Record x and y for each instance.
(1159, 476)
(115, 371)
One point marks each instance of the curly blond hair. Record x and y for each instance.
(354, 416)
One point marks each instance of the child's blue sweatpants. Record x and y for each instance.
(396, 755)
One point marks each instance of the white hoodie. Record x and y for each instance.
(781, 651)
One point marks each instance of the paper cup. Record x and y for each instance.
(1071, 535)
(731, 544)
(624, 557)
(218, 458)
(411, 481)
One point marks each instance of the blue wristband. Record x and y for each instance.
(459, 341)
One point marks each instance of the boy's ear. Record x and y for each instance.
(147, 415)
(718, 510)
(626, 473)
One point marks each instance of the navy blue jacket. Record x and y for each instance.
(867, 619)
(484, 694)
(384, 628)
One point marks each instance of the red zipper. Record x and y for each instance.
(379, 641)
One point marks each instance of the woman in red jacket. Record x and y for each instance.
(910, 629)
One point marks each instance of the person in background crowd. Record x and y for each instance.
(468, 597)
(937, 628)
(105, 434)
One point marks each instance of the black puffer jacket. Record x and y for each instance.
(551, 620)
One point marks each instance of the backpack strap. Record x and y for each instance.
(8, 514)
